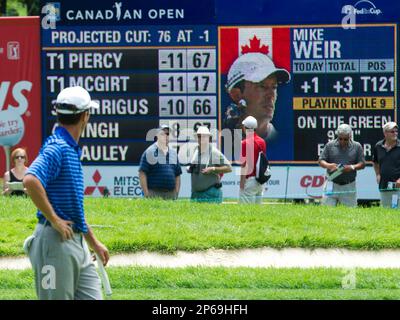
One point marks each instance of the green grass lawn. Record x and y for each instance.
(126, 225)
(133, 225)
(140, 283)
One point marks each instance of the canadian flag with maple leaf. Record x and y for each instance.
(272, 41)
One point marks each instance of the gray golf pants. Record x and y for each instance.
(252, 192)
(63, 269)
(342, 194)
(386, 199)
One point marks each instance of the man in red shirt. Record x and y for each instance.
(251, 190)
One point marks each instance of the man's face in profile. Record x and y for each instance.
(391, 135)
(261, 98)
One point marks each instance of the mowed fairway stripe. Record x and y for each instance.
(230, 283)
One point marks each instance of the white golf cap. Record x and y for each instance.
(203, 130)
(254, 67)
(73, 100)
(389, 126)
(250, 122)
(163, 127)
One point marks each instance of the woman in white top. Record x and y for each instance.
(12, 181)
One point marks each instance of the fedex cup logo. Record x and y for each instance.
(11, 123)
(361, 7)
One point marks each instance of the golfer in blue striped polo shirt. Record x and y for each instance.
(58, 251)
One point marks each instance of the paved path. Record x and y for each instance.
(263, 257)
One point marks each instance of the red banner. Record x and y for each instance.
(20, 81)
(272, 41)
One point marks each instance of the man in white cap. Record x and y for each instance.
(251, 191)
(342, 158)
(386, 158)
(58, 251)
(206, 167)
(159, 169)
(252, 85)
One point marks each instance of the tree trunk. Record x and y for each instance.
(33, 7)
(3, 7)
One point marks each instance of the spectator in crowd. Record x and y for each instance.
(58, 250)
(251, 191)
(206, 167)
(342, 158)
(386, 158)
(159, 170)
(13, 179)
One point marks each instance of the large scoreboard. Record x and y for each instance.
(153, 76)
(341, 78)
(337, 76)
(167, 63)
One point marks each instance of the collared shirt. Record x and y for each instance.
(389, 162)
(201, 160)
(58, 168)
(252, 143)
(160, 168)
(352, 154)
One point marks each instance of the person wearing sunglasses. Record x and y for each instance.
(342, 158)
(386, 158)
(159, 169)
(16, 174)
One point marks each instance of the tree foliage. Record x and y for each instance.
(8, 7)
